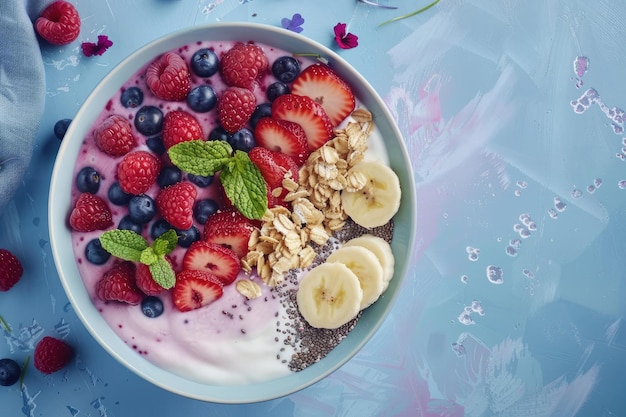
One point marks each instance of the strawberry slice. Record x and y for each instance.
(274, 166)
(323, 85)
(192, 292)
(306, 112)
(230, 229)
(283, 136)
(214, 258)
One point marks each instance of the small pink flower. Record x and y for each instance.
(91, 49)
(343, 39)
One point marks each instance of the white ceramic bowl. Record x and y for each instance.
(59, 207)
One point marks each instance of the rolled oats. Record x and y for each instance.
(248, 289)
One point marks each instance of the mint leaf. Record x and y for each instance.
(165, 243)
(148, 256)
(162, 273)
(124, 244)
(244, 185)
(201, 157)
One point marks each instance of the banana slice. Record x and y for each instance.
(379, 200)
(381, 249)
(365, 265)
(329, 296)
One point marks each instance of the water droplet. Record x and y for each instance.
(522, 184)
(620, 156)
(511, 251)
(622, 184)
(576, 193)
(518, 227)
(560, 205)
(553, 214)
(465, 318)
(473, 257)
(477, 307)
(517, 193)
(458, 348)
(464, 279)
(598, 182)
(591, 189)
(524, 234)
(532, 226)
(495, 274)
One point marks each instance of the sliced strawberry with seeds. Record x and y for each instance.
(137, 171)
(90, 213)
(114, 136)
(235, 107)
(230, 229)
(214, 258)
(175, 203)
(323, 85)
(58, 23)
(306, 112)
(180, 126)
(274, 166)
(193, 292)
(118, 284)
(168, 77)
(283, 136)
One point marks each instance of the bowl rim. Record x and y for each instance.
(59, 207)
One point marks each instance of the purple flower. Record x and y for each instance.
(294, 24)
(343, 39)
(91, 49)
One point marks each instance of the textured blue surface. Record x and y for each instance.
(511, 174)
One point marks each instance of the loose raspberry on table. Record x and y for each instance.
(137, 171)
(11, 270)
(59, 23)
(51, 355)
(235, 107)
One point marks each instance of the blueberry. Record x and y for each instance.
(202, 98)
(168, 176)
(94, 252)
(200, 180)
(242, 140)
(219, 133)
(60, 128)
(203, 209)
(188, 236)
(141, 208)
(132, 97)
(262, 110)
(159, 227)
(276, 89)
(155, 144)
(152, 306)
(149, 120)
(286, 68)
(117, 196)
(204, 62)
(129, 224)
(88, 180)
(9, 372)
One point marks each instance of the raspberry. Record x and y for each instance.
(118, 284)
(235, 108)
(180, 126)
(59, 23)
(175, 203)
(145, 282)
(168, 77)
(114, 136)
(11, 270)
(137, 172)
(242, 64)
(52, 355)
(90, 213)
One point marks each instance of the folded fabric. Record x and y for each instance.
(22, 91)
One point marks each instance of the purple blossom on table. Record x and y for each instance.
(344, 39)
(91, 48)
(294, 24)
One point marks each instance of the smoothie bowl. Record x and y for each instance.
(232, 206)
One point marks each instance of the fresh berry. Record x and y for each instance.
(60, 127)
(230, 229)
(243, 64)
(51, 355)
(286, 68)
(307, 113)
(141, 208)
(127, 223)
(277, 89)
(137, 171)
(262, 110)
(282, 136)
(235, 107)
(118, 284)
(11, 270)
(59, 23)
(242, 140)
(131, 97)
(193, 292)
(168, 77)
(175, 203)
(152, 306)
(145, 282)
(188, 236)
(155, 144)
(149, 120)
(9, 372)
(202, 98)
(88, 180)
(214, 258)
(203, 209)
(201, 181)
(323, 85)
(95, 253)
(114, 136)
(90, 213)
(159, 227)
(204, 62)
(117, 196)
(169, 175)
(180, 126)
(274, 166)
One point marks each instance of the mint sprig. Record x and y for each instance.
(242, 181)
(130, 246)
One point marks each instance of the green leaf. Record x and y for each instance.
(201, 157)
(244, 186)
(162, 273)
(404, 16)
(165, 243)
(124, 244)
(148, 256)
